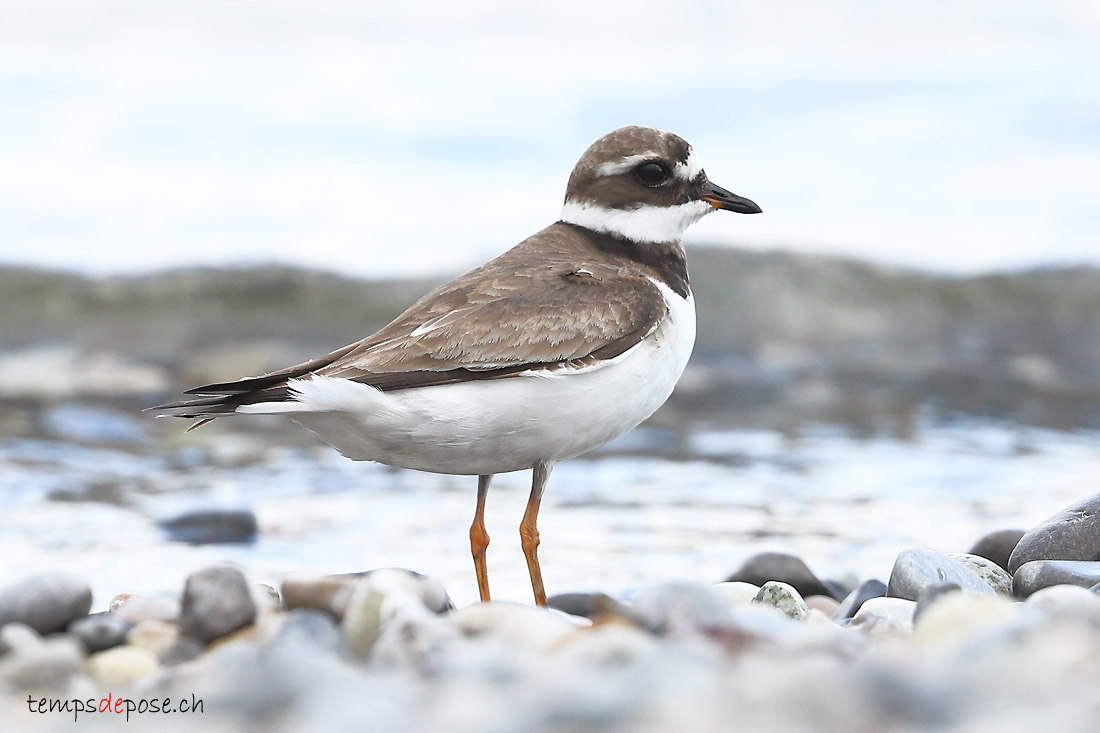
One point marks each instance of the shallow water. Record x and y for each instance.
(609, 522)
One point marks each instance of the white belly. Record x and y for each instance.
(498, 425)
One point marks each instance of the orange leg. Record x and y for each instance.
(528, 529)
(479, 538)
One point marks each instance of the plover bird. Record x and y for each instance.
(557, 346)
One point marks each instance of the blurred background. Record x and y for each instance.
(904, 349)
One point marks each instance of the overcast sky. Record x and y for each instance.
(389, 138)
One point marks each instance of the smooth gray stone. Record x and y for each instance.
(783, 568)
(212, 526)
(917, 568)
(216, 602)
(100, 631)
(680, 604)
(784, 598)
(866, 590)
(432, 593)
(997, 546)
(48, 665)
(47, 602)
(1039, 574)
(185, 649)
(1071, 534)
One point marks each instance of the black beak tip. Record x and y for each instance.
(720, 198)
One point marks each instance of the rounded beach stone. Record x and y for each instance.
(783, 597)
(156, 636)
(917, 568)
(784, 568)
(326, 593)
(100, 631)
(680, 605)
(884, 614)
(1071, 534)
(47, 603)
(864, 592)
(737, 593)
(1066, 601)
(827, 605)
(997, 546)
(1039, 574)
(931, 595)
(954, 616)
(990, 572)
(212, 526)
(394, 602)
(216, 602)
(122, 665)
(136, 609)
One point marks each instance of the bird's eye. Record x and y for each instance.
(651, 174)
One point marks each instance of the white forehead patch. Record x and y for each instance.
(689, 170)
(642, 224)
(622, 165)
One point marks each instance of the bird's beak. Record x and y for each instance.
(720, 198)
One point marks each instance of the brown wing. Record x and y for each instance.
(516, 313)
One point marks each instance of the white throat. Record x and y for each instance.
(643, 223)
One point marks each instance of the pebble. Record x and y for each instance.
(827, 605)
(1062, 601)
(308, 630)
(990, 572)
(885, 614)
(997, 546)
(783, 597)
(585, 605)
(1071, 534)
(917, 568)
(864, 592)
(933, 594)
(156, 636)
(48, 664)
(737, 593)
(121, 665)
(212, 526)
(395, 611)
(680, 605)
(216, 602)
(135, 609)
(47, 603)
(326, 593)
(1039, 574)
(100, 631)
(785, 568)
(956, 616)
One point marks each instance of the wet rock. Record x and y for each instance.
(990, 572)
(783, 597)
(122, 665)
(783, 568)
(1071, 534)
(47, 602)
(864, 592)
(586, 605)
(216, 602)
(997, 546)
(100, 631)
(45, 664)
(135, 609)
(212, 526)
(917, 568)
(1039, 574)
(885, 615)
